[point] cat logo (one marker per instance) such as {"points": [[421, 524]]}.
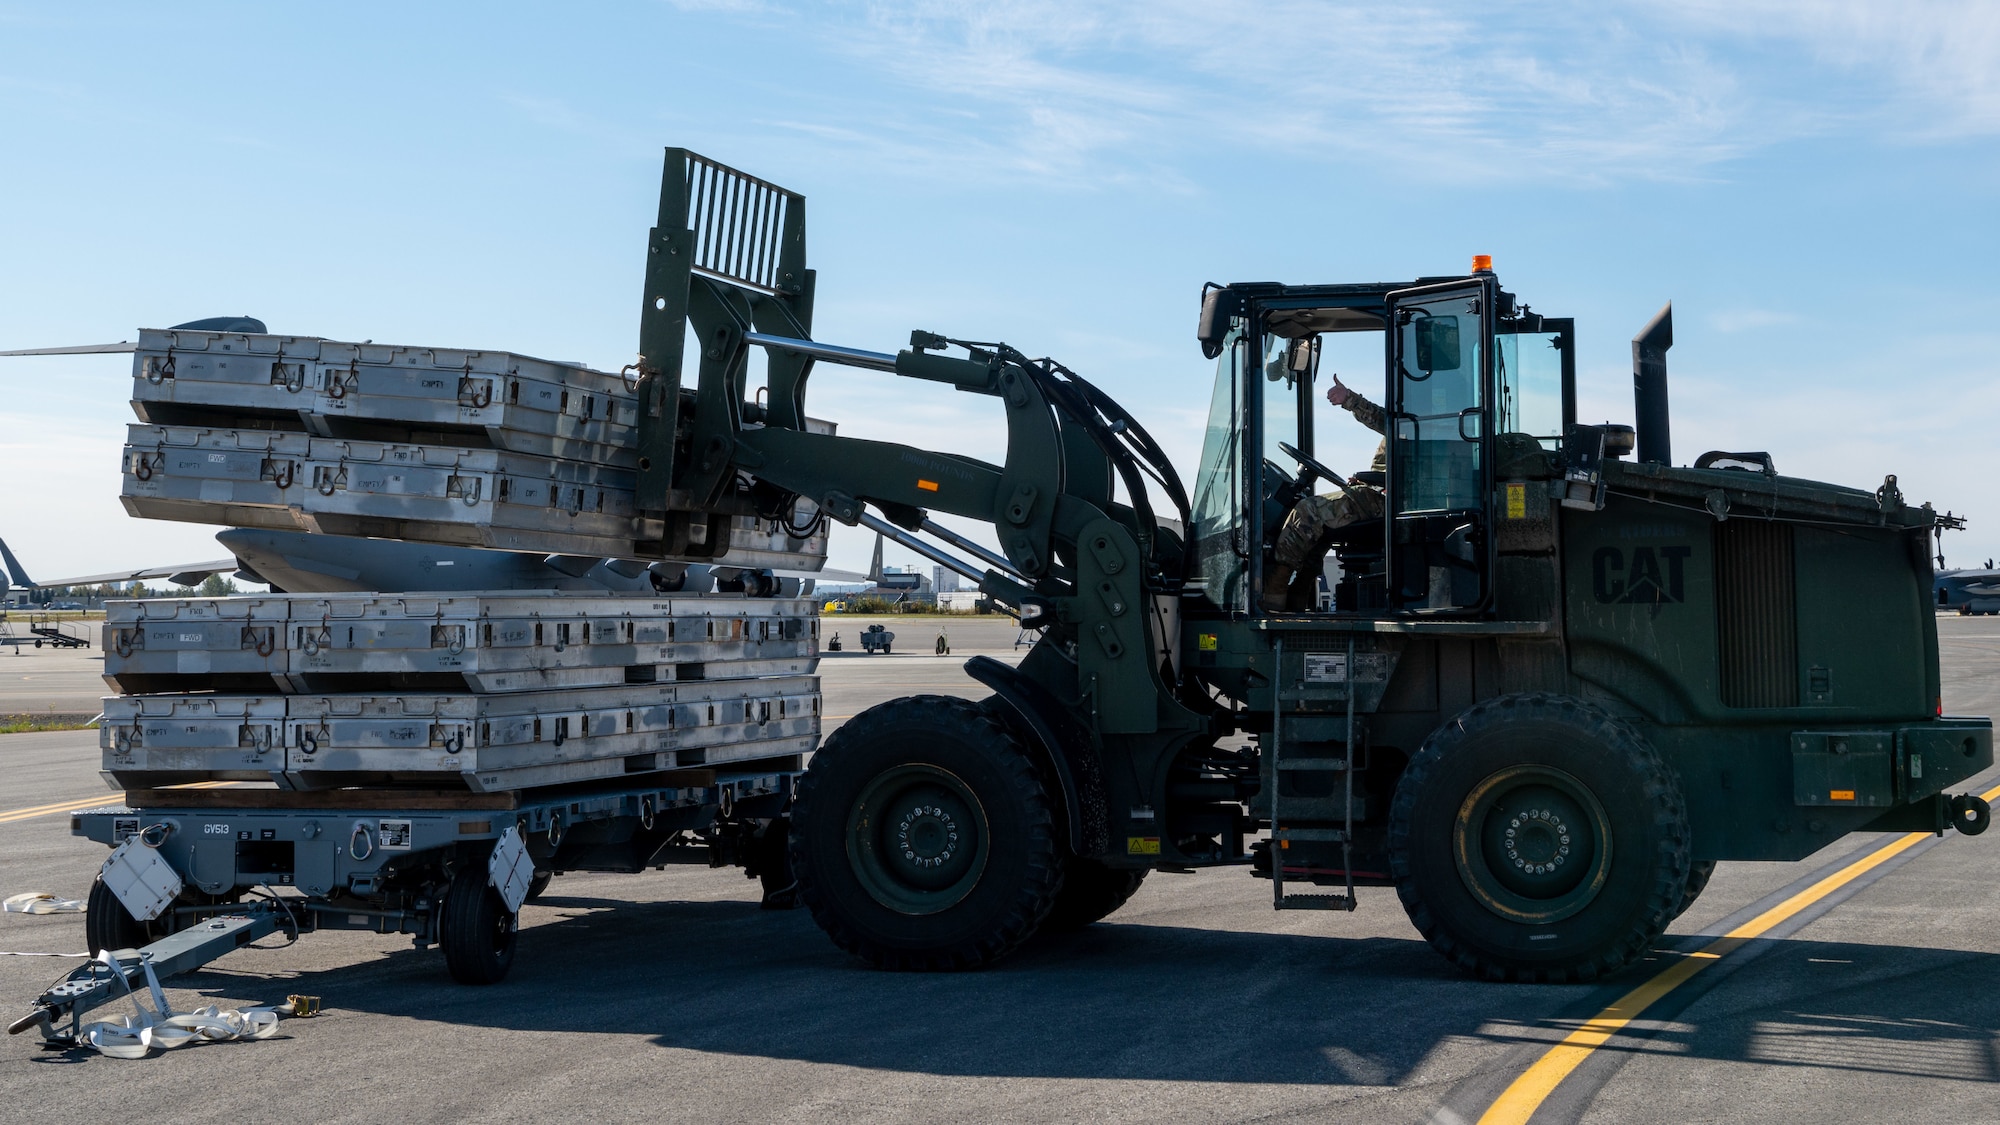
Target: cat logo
{"points": [[1652, 576]]}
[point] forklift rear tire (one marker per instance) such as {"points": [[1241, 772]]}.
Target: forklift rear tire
{"points": [[1090, 893], [1699, 873], [108, 925], [538, 884], [923, 837], [1537, 838], [476, 930]]}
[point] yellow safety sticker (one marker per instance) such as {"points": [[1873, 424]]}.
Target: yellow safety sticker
{"points": [[1205, 642], [1517, 501], [1142, 845], [1840, 795], [927, 485]]}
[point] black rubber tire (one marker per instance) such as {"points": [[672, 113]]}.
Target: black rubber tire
{"points": [[108, 925], [1090, 893], [539, 885], [476, 930], [1643, 878], [1699, 873], [1018, 868]]}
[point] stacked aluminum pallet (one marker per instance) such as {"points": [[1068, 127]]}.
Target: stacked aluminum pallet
{"points": [[486, 691], [470, 448]]}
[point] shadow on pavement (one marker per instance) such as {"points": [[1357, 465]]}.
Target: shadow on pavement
{"points": [[1116, 1001], [1126, 1001], [1866, 1009]]}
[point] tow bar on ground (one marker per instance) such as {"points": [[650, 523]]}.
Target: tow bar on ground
{"points": [[112, 974]]}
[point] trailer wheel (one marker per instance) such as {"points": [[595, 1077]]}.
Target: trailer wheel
{"points": [[1699, 873], [1090, 893], [1535, 837], [771, 865], [476, 930], [923, 837], [108, 925]]}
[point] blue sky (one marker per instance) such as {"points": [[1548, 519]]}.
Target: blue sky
{"points": [[1812, 184]]}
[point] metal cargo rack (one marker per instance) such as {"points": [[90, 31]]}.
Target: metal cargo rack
{"points": [[485, 743], [424, 493], [331, 388], [479, 642], [188, 738]]}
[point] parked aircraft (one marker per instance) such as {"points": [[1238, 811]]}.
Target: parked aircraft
{"points": [[890, 585], [302, 563], [16, 588], [1970, 591]]}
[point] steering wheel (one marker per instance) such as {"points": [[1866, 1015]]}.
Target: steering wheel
{"points": [[1313, 467]]}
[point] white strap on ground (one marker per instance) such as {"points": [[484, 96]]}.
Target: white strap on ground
{"points": [[160, 1028], [40, 902], [135, 1037]]}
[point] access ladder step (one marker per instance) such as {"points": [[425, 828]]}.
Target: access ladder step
{"points": [[1317, 902], [1303, 765], [1310, 835]]}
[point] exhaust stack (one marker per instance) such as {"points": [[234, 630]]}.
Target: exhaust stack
{"points": [[1649, 386]]}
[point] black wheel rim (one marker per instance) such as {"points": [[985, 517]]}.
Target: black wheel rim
{"points": [[917, 839], [502, 933], [1533, 844]]}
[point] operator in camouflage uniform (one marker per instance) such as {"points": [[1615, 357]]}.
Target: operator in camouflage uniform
{"points": [[1313, 519]]}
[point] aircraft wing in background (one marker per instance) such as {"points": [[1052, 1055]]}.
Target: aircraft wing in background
{"points": [[180, 574], [124, 346]]}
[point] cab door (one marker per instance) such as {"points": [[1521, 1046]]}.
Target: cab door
{"points": [[1440, 354]]}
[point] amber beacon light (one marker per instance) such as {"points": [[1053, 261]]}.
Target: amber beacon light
{"points": [[1482, 263]]}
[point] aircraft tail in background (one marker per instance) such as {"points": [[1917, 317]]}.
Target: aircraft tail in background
{"points": [[12, 572], [875, 564]]}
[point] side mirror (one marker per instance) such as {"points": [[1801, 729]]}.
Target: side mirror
{"points": [[1219, 306], [1300, 362], [1302, 356]]}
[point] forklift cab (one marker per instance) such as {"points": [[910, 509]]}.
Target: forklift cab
{"points": [[1468, 373]]}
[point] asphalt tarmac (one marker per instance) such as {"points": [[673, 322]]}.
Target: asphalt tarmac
{"points": [[671, 996]]}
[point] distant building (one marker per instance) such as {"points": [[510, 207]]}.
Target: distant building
{"points": [[944, 580]]}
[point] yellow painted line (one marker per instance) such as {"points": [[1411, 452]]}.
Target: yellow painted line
{"points": [[89, 802], [50, 810], [1525, 1094]]}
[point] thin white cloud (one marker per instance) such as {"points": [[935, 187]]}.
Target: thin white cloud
{"points": [[1936, 62], [1090, 92]]}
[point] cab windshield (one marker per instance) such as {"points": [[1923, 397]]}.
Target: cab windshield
{"points": [[1219, 546]]}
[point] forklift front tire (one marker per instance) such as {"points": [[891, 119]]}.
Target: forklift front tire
{"points": [[924, 838]]}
